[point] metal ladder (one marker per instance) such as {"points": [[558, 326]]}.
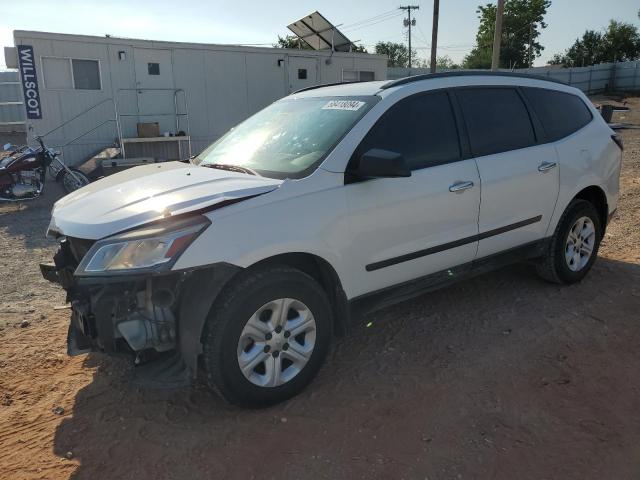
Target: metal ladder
{"points": [[118, 116], [176, 112], [115, 119]]}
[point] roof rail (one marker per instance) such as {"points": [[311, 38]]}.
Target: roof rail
{"points": [[466, 73], [313, 87]]}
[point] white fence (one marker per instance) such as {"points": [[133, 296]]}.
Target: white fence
{"points": [[621, 76]]}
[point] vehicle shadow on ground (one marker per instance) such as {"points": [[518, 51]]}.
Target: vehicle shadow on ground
{"points": [[501, 376], [28, 220]]}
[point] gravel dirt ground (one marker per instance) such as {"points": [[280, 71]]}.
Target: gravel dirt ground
{"points": [[502, 376]]}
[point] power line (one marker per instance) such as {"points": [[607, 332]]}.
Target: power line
{"points": [[443, 47], [424, 37], [396, 36], [370, 24], [375, 17]]}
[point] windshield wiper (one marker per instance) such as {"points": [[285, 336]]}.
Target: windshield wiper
{"points": [[231, 168]]}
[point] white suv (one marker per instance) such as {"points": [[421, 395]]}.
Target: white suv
{"points": [[330, 202]]}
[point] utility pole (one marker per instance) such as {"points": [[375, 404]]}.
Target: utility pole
{"points": [[409, 23], [434, 35], [497, 36]]}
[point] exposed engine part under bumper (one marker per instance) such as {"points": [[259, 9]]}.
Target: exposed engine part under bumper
{"points": [[140, 315]]}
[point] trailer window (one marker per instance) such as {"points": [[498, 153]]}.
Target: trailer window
{"points": [[358, 76], [57, 74], [71, 73], [289, 138], [366, 76], [86, 74]]}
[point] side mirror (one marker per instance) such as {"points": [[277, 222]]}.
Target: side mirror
{"points": [[377, 163], [7, 146]]}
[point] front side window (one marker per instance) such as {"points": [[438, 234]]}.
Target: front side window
{"points": [[497, 120], [422, 128], [561, 113], [289, 138]]}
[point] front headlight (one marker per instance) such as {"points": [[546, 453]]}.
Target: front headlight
{"points": [[153, 248]]}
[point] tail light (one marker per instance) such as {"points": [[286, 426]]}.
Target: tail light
{"points": [[618, 139]]}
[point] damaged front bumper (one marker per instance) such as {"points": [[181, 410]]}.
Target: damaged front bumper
{"points": [[140, 315]]}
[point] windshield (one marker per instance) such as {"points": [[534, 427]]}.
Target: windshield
{"points": [[289, 138]]}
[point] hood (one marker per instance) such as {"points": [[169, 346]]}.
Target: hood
{"points": [[143, 194]]}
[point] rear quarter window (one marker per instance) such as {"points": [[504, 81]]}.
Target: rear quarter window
{"points": [[560, 113]]}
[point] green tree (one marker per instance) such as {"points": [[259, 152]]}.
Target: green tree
{"points": [[291, 41], [587, 50], [522, 23], [618, 42], [398, 53], [621, 42], [443, 62], [417, 62]]}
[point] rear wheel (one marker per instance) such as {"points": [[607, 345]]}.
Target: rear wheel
{"points": [[267, 336], [71, 183], [574, 246]]}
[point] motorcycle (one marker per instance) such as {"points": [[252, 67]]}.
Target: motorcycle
{"points": [[23, 172]]}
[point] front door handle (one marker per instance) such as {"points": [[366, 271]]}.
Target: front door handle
{"points": [[544, 166], [460, 186]]}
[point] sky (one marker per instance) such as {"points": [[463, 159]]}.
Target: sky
{"points": [[260, 21]]}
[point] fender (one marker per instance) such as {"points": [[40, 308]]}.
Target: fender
{"points": [[200, 290]]}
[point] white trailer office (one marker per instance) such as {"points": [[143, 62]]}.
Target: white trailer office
{"points": [[97, 89]]}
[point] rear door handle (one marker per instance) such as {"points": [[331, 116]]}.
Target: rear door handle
{"points": [[544, 166], [460, 186]]}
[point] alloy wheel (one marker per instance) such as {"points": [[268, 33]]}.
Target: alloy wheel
{"points": [[580, 243]]}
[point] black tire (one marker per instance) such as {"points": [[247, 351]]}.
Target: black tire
{"points": [[71, 184], [553, 266], [228, 316]]}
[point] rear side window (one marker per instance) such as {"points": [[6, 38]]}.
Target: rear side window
{"points": [[497, 120], [561, 113], [422, 128]]}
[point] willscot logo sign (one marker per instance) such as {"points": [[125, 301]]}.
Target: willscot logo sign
{"points": [[29, 80]]}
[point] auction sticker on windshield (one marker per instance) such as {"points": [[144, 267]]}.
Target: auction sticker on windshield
{"points": [[343, 105]]}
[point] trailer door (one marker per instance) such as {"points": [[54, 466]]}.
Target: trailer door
{"points": [[303, 72], [154, 81]]}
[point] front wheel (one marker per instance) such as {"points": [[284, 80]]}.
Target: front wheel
{"points": [[266, 336], [72, 182]]}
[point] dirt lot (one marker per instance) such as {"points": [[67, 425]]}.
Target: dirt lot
{"points": [[503, 376]]}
